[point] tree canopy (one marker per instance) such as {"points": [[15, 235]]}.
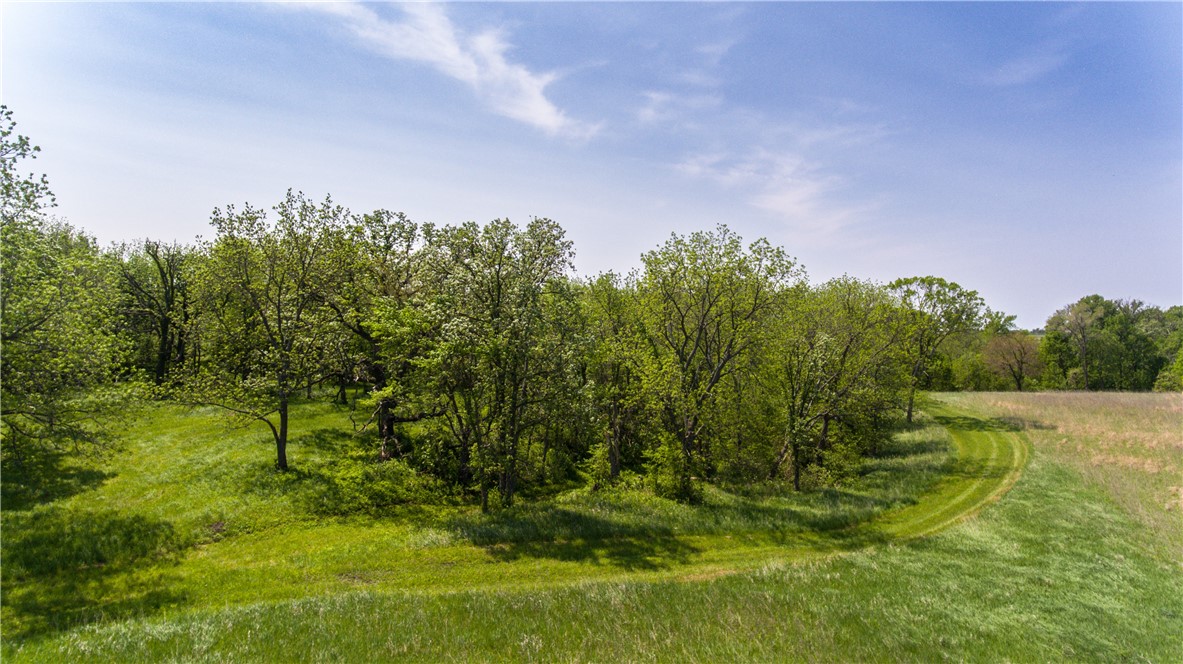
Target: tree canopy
{"points": [[472, 355]]}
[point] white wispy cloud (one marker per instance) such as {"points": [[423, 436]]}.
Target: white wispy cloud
{"points": [[664, 106], [1027, 69], [784, 184], [426, 35]]}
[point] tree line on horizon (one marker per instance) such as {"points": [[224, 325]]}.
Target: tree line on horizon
{"points": [[473, 355]]}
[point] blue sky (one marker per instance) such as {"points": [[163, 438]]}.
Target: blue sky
{"points": [[1033, 152]]}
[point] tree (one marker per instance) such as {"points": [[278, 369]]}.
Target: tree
{"points": [[1166, 328], [21, 197], [704, 303], [497, 359], [57, 331], [155, 278], [838, 356], [613, 362], [1076, 322], [1110, 344], [259, 318], [1014, 355], [937, 309]]}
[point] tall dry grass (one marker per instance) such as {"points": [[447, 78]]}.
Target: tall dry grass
{"points": [[1131, 444]]}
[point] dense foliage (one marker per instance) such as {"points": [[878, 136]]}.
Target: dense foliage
{"points": [[61, 351], [475, 358]]}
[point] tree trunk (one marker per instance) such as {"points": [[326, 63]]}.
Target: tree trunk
{"points": [[796, 468], [281, 440], [613, 456], [507, 486], [163, 352], [613, 440], [911, 402], [385, 429]]}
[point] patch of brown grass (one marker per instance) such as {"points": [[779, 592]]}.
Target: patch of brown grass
{"points": [[1131, 444]]}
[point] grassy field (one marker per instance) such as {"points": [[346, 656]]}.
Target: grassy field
{"points": [[187, 547], [1130, 445]]}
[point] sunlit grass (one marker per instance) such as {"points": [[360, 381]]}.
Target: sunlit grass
{"points": [[191, 513], [1053, 572], [188, 546], [1131, 444]]}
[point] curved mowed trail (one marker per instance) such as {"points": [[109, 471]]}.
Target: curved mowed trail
{"points": [[990, 458]]}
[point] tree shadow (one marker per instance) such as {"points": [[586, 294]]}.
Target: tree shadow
{"points": [[43, 478], [63, 569], [81, 598], [561, 533], [1021, 423], [333, 441], [897, 448], [44, 543], [1007, 424], [964, 423], [627, 553], [626, 535], [974, 469]]}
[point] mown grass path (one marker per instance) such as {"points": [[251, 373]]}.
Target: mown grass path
{"points": [[988, 458]]}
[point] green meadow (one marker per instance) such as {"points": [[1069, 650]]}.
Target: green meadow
{"points": [[975, 535]]}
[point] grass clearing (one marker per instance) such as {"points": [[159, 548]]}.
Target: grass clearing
{"points": [[189, 515], [1053, 570]]}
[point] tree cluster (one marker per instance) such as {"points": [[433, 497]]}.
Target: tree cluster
{"points": [[472, 354], [475, 355], [1101, 344], [1092, 344]]}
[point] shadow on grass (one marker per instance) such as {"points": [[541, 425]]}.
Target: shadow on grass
{"points": [[635, 536], [977, 469], [48, 542], [81, 598], [304, 476], [897, 448], [44, 478], [1003, 424], [963, 423], [333, 441], [628, 553], [63, 568]]}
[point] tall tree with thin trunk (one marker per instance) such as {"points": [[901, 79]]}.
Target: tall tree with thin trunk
{"points": [[260, 320], [371, 295], [612, 367], [153, 276], [1078, 322]]}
